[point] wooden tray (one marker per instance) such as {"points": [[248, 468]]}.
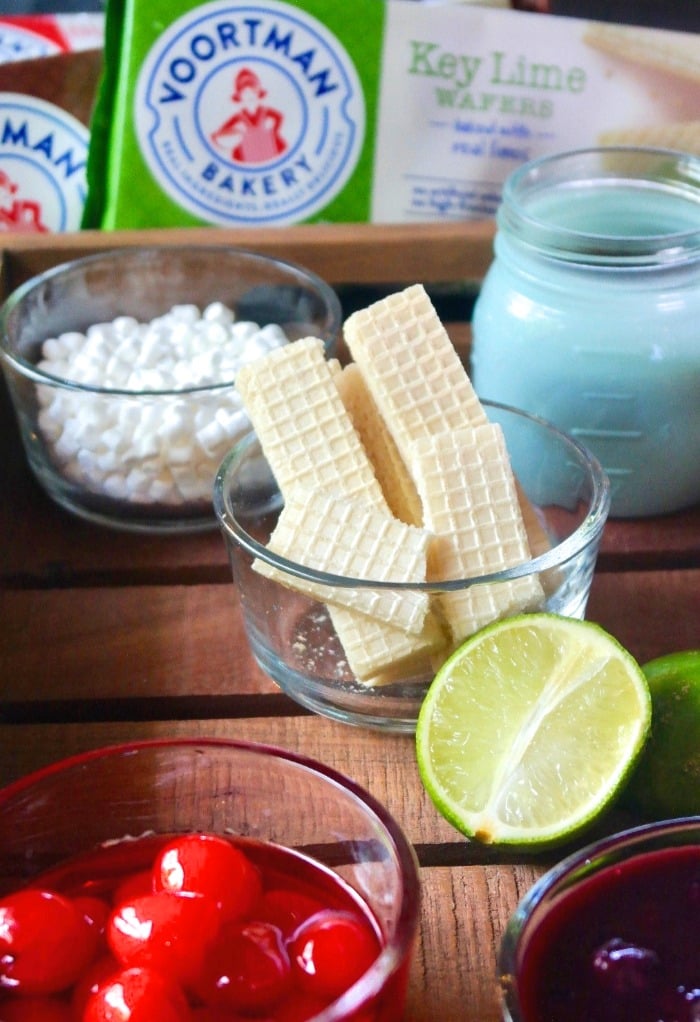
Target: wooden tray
{"points": [[358, 254]]}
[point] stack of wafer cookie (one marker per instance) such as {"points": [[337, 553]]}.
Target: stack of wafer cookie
{"points": [[390, 471], [673, 55]]}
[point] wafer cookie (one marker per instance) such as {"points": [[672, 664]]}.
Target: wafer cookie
{"points": [[411, 368], [443, 397], [538, 538], [349, 538], [307, 436], [394, 478], [470, 503], [384, 654], [676, 53], [309, 440]]}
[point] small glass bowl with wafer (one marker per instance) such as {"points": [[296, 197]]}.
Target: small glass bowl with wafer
{"points": [[292, 635], [353, 593]]}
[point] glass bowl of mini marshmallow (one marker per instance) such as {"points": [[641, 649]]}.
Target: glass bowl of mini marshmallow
{"points": [[121, 367]]}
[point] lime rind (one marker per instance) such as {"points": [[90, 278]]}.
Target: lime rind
{"points": [[531, 728], [666, 780], [681, 666]]}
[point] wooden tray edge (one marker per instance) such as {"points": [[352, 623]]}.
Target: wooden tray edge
{"points": [[341, 253]]}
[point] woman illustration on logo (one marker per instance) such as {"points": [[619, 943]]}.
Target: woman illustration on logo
{"points": [[22, 215], [252, 134]]}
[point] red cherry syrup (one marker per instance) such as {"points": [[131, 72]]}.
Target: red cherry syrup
{"points": [[296, 938]]}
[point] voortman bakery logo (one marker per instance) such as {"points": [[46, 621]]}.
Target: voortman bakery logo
{"points": [[249, 114], [43, 152]]}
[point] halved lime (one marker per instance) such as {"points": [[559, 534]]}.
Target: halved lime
{"points": [[666, 781], [529, 729]]}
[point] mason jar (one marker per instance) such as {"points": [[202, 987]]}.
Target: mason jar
{"points": [[589, 314]]}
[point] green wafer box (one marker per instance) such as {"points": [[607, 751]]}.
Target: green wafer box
{"points": [[254, 113], [236, 114]]}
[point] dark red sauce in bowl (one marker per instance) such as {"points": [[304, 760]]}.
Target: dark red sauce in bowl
{"points": [[612, 934]]}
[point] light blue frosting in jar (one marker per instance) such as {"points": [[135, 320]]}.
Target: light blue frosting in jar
{"points": [[590, 314]]}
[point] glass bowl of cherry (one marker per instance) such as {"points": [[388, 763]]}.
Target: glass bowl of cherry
{"points": [[201, 881], [610, 933]]}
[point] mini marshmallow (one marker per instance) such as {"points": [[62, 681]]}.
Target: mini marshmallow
{"points": [[216, 333], [124, 326], [115, 486], [253, 349], [87, 461], [185, 313], [274, 335], [162, 451], [127, 416], [54, 367], [211, 437], [188, 484], [85, 370], [153, 350], [70, 341], [108, 462], [48, 425], [244, 331], [144, 445], [137, 482], [162, 491], [217, 312], [112, 439], [73, 472], [175, 429], [233, 423], [66, 446], [101, 332], [52, 350]]}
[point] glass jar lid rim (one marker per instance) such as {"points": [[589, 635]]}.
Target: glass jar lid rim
{"points": [[607, 172]]}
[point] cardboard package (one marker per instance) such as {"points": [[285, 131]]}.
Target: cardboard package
{"points": [[49, 69], [255, 115]]}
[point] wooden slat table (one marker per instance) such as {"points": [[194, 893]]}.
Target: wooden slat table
{"points": [[107, 636]]}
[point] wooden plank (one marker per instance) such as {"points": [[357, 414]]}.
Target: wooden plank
{"points": [[650, 613], [126, 643], [464, 909], [382, 763], [45, 545], [341, 253], [670, 541], [464, 915], [136, 637], [42, 544], [171, 640]]}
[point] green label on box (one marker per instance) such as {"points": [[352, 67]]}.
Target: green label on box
{"points": [[235, 114], [390, 111]]}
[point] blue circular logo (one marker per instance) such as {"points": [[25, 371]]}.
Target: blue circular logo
{"points": [[249, 114], [43, 155]]}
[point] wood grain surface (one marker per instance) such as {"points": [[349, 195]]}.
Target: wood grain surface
{"points": [[107, 637]]}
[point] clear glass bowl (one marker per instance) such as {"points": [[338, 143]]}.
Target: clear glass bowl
{"points": [[144, 459], [226, 787], [593, 907], [292, 636]]}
